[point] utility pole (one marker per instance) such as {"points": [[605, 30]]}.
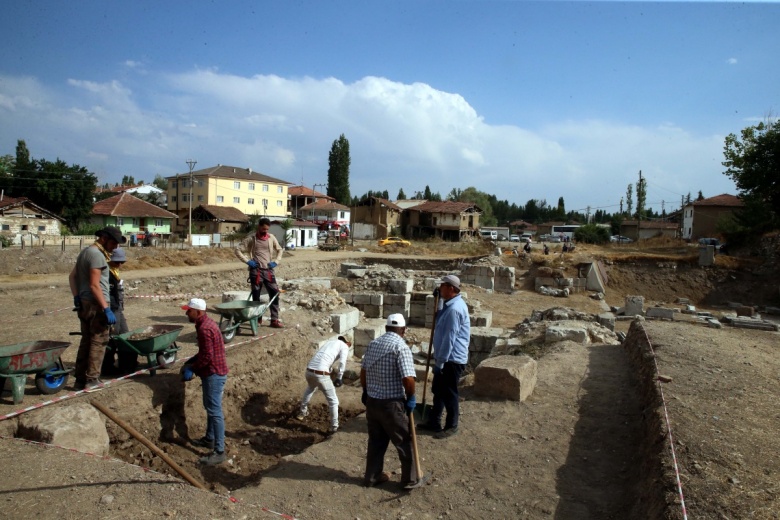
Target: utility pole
{"points": [[587, 216], [621, 205], [191, 163], [638, 209]]}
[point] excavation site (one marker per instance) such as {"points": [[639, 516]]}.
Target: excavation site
{"points": [[620, 381]]}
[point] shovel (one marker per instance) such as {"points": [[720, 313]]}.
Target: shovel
{"points": [[421, 479], [422, 410]]}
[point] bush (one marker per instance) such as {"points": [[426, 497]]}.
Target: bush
{"points": [[592, 234], [88, 229], [5, 241]]}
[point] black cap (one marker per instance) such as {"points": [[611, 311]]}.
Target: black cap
{"points": [[113, 233]]}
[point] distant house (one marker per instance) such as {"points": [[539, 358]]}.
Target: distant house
{"points": [[20, 217], [644, 229], [207, 219], [251, 192], [521, 226], [448, 220], [300, 196], [701, 217], [409, 203], [132, 215], [326, 213], [376, 218], [301, 234]]}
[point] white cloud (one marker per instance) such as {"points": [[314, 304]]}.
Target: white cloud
{"points": [[731, 61], [401, 136]]}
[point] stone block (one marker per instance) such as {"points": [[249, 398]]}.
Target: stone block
{"points": [[400, 286], [77, 426], [483, 339], [706, 255], [371, 311], [556, 333], [746, 310], [481, 319], [660, 312], [506, 377], [396, 303], [345, 321], [606, 319], [361, 298], [366, 332], [346, 267], [356, 273], [634, 306]]}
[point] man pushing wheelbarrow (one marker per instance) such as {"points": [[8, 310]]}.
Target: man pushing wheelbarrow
{"points": [[262, 253]]}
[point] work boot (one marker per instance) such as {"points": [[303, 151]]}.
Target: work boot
{"points": [[302, 413], [213, 458], [203, 442], [377, 480], [446, 433], [333, 429], [276, 324]]}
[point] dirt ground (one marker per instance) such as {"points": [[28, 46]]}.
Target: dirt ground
{"points": [[585, 444]]}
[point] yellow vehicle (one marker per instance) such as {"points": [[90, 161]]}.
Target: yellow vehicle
{"points": [[394, 241]]}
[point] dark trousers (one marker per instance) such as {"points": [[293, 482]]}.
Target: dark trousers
{"points": [[260, 278], [94, 338], [445, 395], [387, 421]]}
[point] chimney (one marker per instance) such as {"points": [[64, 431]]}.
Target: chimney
{"points": [[250, 170]]}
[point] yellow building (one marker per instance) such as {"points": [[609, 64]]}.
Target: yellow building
{"points": [[251, 192]]}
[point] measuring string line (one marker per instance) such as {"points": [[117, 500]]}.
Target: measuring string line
{"points": [[668, 427]]}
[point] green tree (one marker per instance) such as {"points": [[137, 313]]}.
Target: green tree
{"points": [[641, 196], [700, 196], [7, 163], [482, 200], [455, 194], [630, 199], [338, 171], [592, 234], [64, 190], [401, 195], [752, 161], [160, 182], [560, 211], [128, 180]]}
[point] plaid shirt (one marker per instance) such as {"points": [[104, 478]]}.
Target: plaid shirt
{"points": [[210, 358], [386, 362]]}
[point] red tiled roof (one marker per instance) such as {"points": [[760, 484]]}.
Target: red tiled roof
{"points": [[325, 205], [232, 172], [724, 199], [447, 206], [372, 201], [226, 213], [303, 191], [127, 205], [7, 201]]}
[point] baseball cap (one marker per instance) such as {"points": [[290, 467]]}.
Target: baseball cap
{"points": [[118, 255], [198, 304], [452, 280], [396, 320], [114, 233]]}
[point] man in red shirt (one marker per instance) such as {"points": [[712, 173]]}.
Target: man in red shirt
{"points": [[210, 364]]}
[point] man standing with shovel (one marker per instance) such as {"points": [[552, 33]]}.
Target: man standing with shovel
{"points": [[387, 377], [451, 353]]}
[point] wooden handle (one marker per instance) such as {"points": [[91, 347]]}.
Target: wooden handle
{"points": [[416, 454], [430, 346]]}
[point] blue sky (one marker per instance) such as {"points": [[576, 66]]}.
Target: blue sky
{"points": [[524, 100]]}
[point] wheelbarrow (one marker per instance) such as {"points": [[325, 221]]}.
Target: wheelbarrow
{"points": [[156, 342], [234, 314], [41, 358]]}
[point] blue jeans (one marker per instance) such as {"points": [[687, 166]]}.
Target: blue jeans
{"points": [[213, 387]]}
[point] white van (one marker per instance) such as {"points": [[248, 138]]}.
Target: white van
{"points": [[488, 234]]}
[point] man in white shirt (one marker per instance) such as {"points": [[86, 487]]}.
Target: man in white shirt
{"points": [[318, 376]]}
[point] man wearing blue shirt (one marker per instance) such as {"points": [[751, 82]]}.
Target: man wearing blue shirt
{"points": [[450, 353]]}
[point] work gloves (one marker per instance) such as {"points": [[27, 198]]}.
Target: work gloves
{"points": [[410, 405], [77, 303], [253, 264], [186, 373], [272, 265], [364, 397], [337, 383], [110, 318]]}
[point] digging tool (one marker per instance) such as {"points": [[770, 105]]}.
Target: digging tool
{"points": [[421, 479], [146, 442], [421, 409]]}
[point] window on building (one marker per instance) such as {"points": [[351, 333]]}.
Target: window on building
{"points": [[41, 228], [279, 189], [6, 227], [265, 203], [120, 221], [185, 198], [265, 187], [200, 183], [173, 198], [250, 201], [251, 186], [174, 184], [200, 198], [236, 200], [158, 222], [341, 215], [236, 185], [278, 203], [24, 227], [135, 222], [220, 198], [184, 183]]}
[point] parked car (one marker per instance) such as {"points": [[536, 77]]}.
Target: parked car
{"points": [[514, 238], [322, 234], [525, 239], [554, 239], [501, 237], [709, 242], [620, 239], [394, 241]]}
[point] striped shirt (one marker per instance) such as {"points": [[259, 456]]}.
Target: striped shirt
{"points": [[387, 361]]}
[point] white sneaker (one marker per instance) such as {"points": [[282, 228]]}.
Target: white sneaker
{"points": [[333, 429], [302, 414]]}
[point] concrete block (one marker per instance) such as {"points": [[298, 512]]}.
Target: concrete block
{"points": [[660, 312], [346, 267], [706, 255], [481, 319], [361, 298], [344, 321], [377, 299], [746, 310], [400, 286], [371, 311], [366, 332], [506, 377], [634, 306], [606, 319]]}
